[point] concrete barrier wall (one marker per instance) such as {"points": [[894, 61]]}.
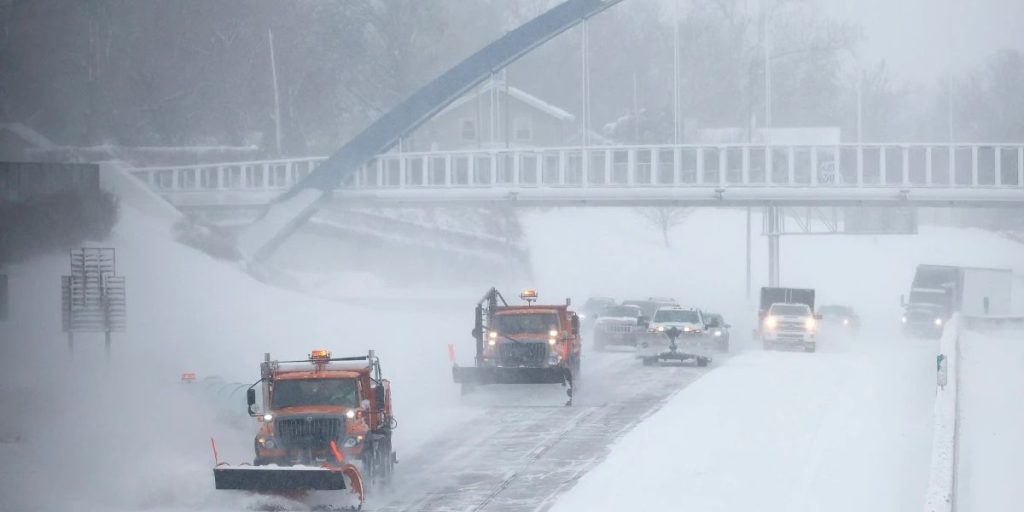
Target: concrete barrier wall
{"points": [[20, 181], [941, 495]]}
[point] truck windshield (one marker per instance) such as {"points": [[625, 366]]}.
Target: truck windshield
{"points": [[936, 297], [677, 315], [620, 311], [528, 323], [790, 310], [301, 393]]}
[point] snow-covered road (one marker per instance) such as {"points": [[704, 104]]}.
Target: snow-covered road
{"points": [[527, 449]]}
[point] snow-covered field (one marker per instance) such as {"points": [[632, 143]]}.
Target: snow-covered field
{"points": [[991, 457], [801, 430]]}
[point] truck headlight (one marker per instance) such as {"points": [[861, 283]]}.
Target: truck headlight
{"points": [[903, 319], [352, 441], [268, 417], [350, 414], [771, 322], [938, 322], [809, 324], [268, 443], [846, 321], [661, 328]]}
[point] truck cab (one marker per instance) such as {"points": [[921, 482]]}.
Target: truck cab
{"points": [[320, 410], [522, 344]]}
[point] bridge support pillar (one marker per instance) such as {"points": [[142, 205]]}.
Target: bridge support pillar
{"points": [[773, 228]]}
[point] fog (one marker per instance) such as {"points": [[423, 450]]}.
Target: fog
{"points": [[172, 84]]}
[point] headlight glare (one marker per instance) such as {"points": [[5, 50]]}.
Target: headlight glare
{"points": [[350, 442], [268, 417], [938, 322]]}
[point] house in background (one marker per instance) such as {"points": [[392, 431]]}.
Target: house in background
{"points": [[495, 115]]}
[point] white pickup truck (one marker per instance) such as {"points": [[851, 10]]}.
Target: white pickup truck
{"points": [[791, 325]]}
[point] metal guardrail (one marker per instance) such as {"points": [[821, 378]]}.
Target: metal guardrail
{"points": [[896, 166]]}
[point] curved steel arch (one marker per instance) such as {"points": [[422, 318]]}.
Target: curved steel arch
{"points": [[295, 206]]}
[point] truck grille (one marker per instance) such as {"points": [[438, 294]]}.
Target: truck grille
{"points": [[617, 328], [522, 354], [791, 326], [308, 431]]}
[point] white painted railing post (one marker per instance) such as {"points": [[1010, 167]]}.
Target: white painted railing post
{"points": [[677, 166], [584, 167], [952, 165], [608, 160], [906, 165], [723, 157], [814, 165], [1020, 167], [448, 170], [998, 157], [402, 171], [631, 167], [745, 166], [883, 175], [700, 166], [655, 167], [860, 165], [928, 166], [974, 165]]}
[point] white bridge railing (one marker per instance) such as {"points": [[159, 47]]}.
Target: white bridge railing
{"points": [[959, 166]]}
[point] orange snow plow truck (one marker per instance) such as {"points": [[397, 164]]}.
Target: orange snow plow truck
{"points": [[523, 344], [325, 424]]}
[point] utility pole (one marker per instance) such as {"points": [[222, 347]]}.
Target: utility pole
{"points": [[677, 126], [636, 110], [860, 109], [585, 93], [748, 253], [277, 100]]}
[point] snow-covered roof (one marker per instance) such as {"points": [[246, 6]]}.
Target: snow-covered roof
{"points": [[514, 92], [28, 135]]}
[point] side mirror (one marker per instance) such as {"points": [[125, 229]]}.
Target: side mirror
{"points": [[380, 395], [250, 399], [575, 320]]}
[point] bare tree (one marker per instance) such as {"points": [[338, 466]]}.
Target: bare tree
{"points": [[664, 218]]}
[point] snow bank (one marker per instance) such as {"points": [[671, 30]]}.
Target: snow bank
{"points": [[846, 430], [991, 446], [942, 475]]}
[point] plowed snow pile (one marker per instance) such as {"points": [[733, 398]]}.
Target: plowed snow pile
{"points": [[991, 421]]}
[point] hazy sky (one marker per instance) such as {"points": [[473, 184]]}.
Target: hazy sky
{"points": [[914, 36]]}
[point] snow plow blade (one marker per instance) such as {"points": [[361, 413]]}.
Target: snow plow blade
{"points": [[263, 478], [498, 375]]}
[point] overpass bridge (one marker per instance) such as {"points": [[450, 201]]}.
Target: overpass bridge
{"points": [[732, 175], [885, 174]]}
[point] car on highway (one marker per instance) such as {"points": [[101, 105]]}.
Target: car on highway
{"points": [[840, 318], [718, 330], [592, 308], [618, 325], [650, 305]]}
